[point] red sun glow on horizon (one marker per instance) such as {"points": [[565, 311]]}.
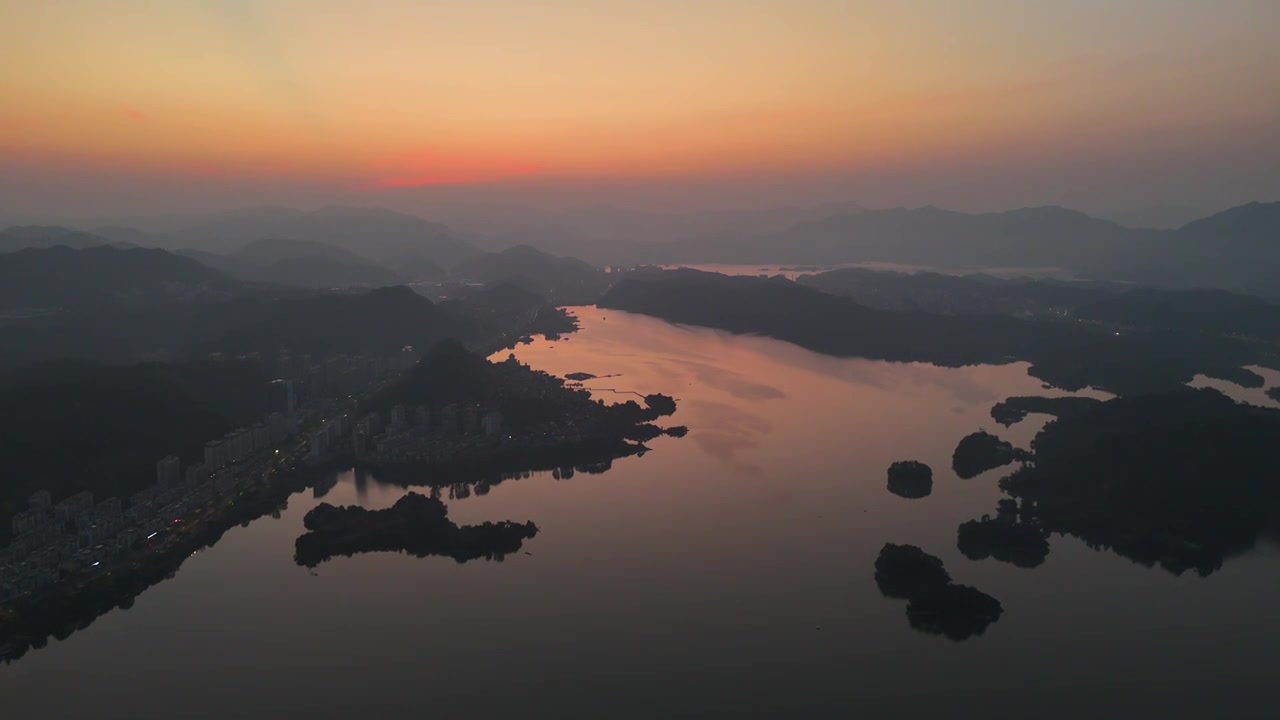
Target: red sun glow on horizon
{"points": [[433, 168]]}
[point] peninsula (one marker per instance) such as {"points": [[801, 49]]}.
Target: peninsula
{"points": [[1179, 480], [459, 417], [981, 451], [1015, 409], [1065, 353]]}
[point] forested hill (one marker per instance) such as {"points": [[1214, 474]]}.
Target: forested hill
{"points": [[1068, 354]]}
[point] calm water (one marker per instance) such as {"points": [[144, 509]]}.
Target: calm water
{"points": [[794, 271], [728, 573]]}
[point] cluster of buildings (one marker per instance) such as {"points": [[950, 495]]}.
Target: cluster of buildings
{"points": [[78, 537], [427, 434], [238, 445], [342, 375], [453, 432], [52, 540], [376, 437]]}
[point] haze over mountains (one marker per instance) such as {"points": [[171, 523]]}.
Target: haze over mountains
{"points": [[375, 234], [47, 236], [63, 277], [307, 263], [1236, 249]]}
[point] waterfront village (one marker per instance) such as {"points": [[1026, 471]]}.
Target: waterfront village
{"points": [[78, 539], [72, 541]]}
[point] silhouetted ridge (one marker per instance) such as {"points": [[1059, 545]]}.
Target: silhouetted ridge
{"points": [[49, 236], [62, 276], [1069, 355], [1235, 249], [562, 280], [1255, 223]]}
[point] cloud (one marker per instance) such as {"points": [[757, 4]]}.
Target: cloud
{"points": [[134, 114]]}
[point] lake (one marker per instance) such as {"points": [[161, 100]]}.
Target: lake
{"points": [[728, 573], [791, 272]]}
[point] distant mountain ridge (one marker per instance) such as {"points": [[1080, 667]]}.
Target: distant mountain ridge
{"points": [[562, 280], [1070, 355], [1254, 223], [1029, 237], [300, 263], [48, 236], [1238, 248], [59, 276], [371, 233]]}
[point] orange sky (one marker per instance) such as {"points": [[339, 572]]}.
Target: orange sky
{"points": [[397, 93]]}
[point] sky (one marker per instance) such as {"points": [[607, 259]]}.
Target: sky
{"points": [[1113, 106]]}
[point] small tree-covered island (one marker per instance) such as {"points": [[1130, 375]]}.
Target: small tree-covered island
{"points": [[910, 479], [416, 524], [935, 604]]}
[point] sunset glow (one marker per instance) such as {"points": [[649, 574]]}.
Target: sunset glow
{"points": [[496, 89]]}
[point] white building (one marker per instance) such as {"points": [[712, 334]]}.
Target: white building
{"points": [[168, 472]]}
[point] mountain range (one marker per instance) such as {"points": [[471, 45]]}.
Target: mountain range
{"points": [[1238, 248], [375, 234], [305, 263], [48, 236], [562, 280], [61, 276]]}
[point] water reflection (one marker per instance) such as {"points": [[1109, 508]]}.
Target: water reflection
{"points": [[732, 382], [1253, 396], [678, 580], [726, 431]]}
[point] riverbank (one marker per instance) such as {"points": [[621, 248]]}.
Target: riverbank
{"points": [[31, 621]]}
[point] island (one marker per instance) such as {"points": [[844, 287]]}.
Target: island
{"points": [[910, 479], [981, 451], [956, 611], [935, 604], [1181, 480], [1274, 393], [415, 524], [902, 570], [1015, 409]]}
